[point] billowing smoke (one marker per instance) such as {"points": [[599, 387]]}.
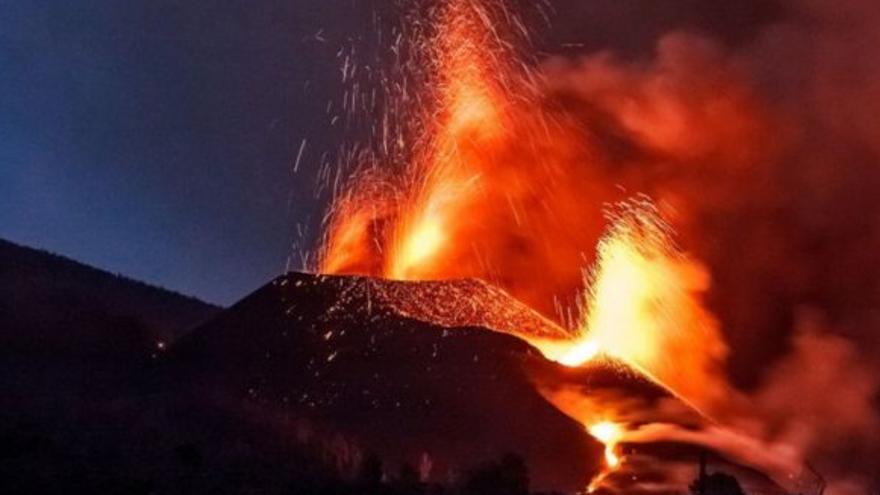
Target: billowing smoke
{"points": [[767, 158], [820, 400]]}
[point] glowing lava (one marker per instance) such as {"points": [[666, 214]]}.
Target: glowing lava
{"points": [[448, 173], [644, 306], [422, 244], [490, 184], [575, 354], [609, 433]]}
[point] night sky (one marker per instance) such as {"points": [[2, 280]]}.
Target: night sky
{"points": [[157, 139]]}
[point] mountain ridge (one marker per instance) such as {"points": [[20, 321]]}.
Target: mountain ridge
{"points": [[36, 285]]}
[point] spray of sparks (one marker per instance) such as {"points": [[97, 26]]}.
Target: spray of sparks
{"points": [[482, 186]]}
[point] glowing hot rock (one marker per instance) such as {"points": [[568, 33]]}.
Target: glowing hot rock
{"points": [[579, 353]]}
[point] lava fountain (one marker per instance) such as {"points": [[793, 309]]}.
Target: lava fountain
{"points": [[493, 186], [643, 305]]}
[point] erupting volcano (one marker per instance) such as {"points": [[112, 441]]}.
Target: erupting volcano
{"points": [[492, 190], [427, 372], [490, 182], [564, 246]]}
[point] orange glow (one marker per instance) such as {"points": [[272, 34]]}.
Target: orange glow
{"points": [[347, 238], [492, 187], [644, 305], [501, 185], [609, 433], [423, 243], [503, 188], [577, 353], [469, 106]]}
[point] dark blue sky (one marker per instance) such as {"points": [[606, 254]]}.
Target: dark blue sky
{"points": [[156, 139]]}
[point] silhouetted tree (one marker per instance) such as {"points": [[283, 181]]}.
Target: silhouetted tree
{"points": [[716, 484], [189, 455], [508, 477], [408, 482], [370, 474], [515, 474]]}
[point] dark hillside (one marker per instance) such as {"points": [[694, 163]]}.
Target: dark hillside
{"points": [[48, 302], [345, 353], [72, 339], [311, 385]]}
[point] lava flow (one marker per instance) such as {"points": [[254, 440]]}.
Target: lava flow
{"points": [[609, 434]]}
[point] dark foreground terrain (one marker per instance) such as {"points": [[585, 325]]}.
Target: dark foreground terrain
{"points": [[302, 387], [312, 384]]}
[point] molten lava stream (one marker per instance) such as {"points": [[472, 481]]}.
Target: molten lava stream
{"points": [[609, 434]]}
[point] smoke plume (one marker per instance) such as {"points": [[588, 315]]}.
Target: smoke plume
{"points": [[766, 156]]}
